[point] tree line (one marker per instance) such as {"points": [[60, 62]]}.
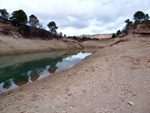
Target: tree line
{"points": [[139, 17], [19, 18]]}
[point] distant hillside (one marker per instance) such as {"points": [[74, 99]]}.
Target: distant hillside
{"points": [[99, 36]]}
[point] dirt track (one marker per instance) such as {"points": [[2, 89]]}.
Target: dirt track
{"points": [[114, 79]]}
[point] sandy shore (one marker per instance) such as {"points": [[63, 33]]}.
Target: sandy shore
{"points": [[114, 79], [11, 45]]}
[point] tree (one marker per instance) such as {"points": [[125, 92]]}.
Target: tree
{"points": [[52, 26], [146, 17], [33, 20], [113, 36], [139, 17], [61, 34], [4, 14], [128, 22], [19, 18], [118, 33]]}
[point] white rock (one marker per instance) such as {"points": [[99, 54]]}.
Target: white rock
{"points": [[131, 103]]}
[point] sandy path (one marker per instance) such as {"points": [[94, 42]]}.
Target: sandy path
{"points": [[115, 79]]}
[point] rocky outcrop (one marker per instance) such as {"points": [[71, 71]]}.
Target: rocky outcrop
{"points": [[142, 31], [139, 29]]}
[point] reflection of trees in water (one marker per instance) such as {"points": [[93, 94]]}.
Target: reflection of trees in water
{"points": [[52, 69], [21, 80], [7, 84], [35, 77], [19, 72]]}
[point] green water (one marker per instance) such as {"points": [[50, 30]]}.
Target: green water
{"points": [[18, 70]]}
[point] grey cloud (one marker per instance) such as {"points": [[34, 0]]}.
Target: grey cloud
{"points": [[94, 16]]}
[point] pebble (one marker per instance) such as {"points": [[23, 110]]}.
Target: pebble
{"points": [[36, 106], [94, 95], [70, 94], [104, 110], [72, 106], [66, 98], [131, 103]]}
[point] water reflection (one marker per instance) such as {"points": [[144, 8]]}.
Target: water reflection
{"points": [[7, 84], [22, 69], [52, 69]]}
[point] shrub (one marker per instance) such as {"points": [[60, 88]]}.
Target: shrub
{"points": [[113, 35]]}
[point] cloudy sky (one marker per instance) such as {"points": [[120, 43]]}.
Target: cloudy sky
{"points": [[75, 17]]}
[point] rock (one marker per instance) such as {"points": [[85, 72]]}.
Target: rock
{"points": [[72, 106], [104, 110], [70, 94], [131, 103]]}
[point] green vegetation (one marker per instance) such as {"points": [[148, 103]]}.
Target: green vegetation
{"points": [[113, 35], [61, 34], [52, 27], [79, 39], [65, 35], [29, 28], [4, 14], [19, 18], [128, 22], [33, 20], [118, 33], [138, 18]]}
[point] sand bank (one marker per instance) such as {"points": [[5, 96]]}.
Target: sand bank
{"points": [[11, 45]]}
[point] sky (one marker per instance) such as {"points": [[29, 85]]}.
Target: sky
{"points": [[77, 17]]}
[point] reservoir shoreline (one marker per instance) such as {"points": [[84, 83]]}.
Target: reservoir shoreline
{"points": [[10, 45]]}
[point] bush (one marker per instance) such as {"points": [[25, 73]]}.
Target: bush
{"points": [[113, 35]]}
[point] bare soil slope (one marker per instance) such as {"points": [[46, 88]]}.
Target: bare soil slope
{"points": [[12, 45], [114, 79]]}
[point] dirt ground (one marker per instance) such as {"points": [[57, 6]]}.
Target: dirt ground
{"points": [[12, 45], [115, 79]]}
